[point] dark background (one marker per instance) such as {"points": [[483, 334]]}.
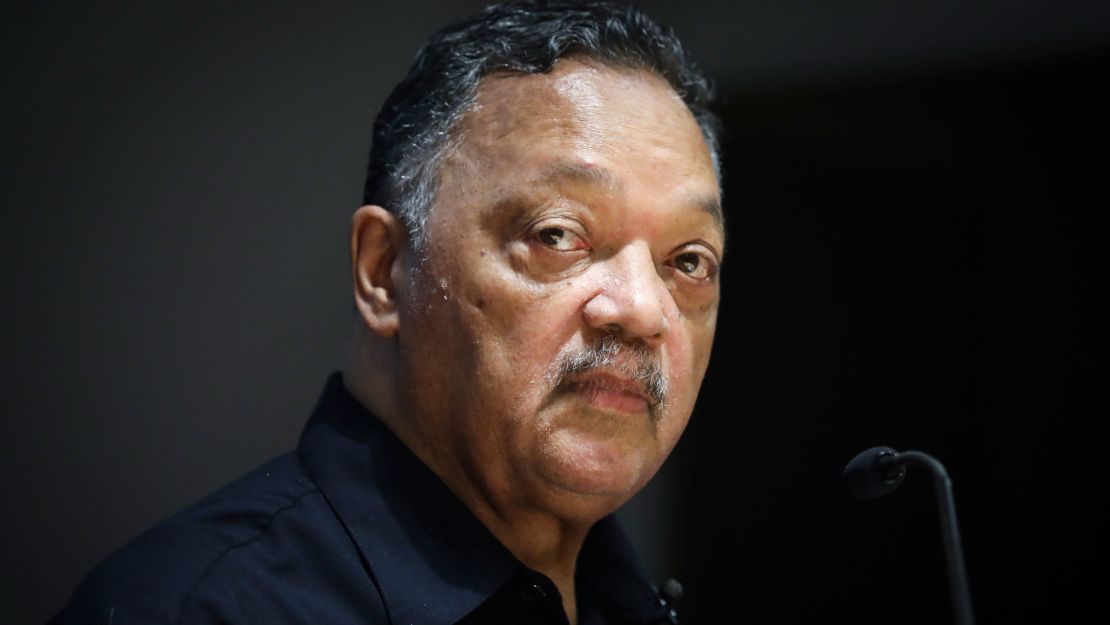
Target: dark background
{"points": [[917, 258]]}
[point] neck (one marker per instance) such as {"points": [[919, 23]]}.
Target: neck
{"points": [[543, 543], [364, 376]]}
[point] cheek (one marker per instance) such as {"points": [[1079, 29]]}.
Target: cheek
{"points": [[683, 381], [703, 334], [518, 329], [688, 353]]}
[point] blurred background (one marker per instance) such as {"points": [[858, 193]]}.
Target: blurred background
{"points": [[916, 198]]}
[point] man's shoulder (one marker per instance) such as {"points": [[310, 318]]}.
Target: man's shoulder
{"points": [[274, 515]]}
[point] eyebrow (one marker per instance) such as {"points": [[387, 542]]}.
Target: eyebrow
{"points": [[711, 205], [597, 176]]}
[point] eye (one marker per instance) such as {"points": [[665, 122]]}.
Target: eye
{"points": [[694, 265], [560, 239]]}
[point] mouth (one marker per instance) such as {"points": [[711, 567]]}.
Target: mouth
{"points": [[608, 391]]}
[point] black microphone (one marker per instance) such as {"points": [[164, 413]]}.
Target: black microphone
{"points": [[880, 471]]}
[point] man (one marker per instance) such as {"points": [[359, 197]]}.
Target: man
{"points": [[536, 283]]}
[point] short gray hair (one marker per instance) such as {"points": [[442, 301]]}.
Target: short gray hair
{"points": [[414, 129]]}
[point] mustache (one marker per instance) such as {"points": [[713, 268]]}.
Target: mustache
{"points": [[635, 361]]}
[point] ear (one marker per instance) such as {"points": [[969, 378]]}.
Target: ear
{"points": [[377, 238]]}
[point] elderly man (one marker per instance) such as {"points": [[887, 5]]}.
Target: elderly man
{"points": [[536, 283]]}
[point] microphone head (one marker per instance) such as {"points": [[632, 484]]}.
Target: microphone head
{"points": [[874, 473]]}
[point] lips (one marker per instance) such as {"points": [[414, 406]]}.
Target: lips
{"points": [[609, 391]]}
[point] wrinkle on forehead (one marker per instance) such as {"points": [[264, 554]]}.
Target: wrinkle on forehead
{"points": [[594, 175], [581, 173], [587, 114]]}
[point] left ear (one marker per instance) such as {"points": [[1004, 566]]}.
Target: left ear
{"points": [[377, 238]]}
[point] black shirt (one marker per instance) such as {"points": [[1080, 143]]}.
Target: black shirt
{"points": [[351, 528]]}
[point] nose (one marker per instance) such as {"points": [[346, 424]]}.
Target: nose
{"points": [[632, 299]]}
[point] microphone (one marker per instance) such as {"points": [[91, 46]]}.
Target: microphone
{"points": [[880, 471]]}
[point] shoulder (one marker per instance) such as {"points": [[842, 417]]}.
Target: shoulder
{"points": [[274, 516]]}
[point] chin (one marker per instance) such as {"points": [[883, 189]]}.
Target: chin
{"points": [[586, 466]]}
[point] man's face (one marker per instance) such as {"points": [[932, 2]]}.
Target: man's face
{"points": [[570, 275]]}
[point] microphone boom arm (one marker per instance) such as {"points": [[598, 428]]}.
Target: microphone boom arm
{"points": [[880, 471], [950, 531]]}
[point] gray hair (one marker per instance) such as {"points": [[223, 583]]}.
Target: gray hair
{"points": [[414, 129]]}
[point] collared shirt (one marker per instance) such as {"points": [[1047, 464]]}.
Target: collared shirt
{"points": [[351, 528]]}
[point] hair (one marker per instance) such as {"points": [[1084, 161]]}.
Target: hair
{"points": [[414, 128]]}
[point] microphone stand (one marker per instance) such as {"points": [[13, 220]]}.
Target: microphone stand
{"points": [[880, 471], [957, 573]]}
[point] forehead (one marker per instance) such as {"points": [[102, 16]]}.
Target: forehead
{"points": [[617, 127]]}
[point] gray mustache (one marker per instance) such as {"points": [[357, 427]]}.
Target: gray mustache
{"points": [[633, 360]]}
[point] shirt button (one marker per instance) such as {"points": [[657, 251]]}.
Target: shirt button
{"points": [[533, 592]]}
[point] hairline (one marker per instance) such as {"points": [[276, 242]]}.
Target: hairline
{"points": [[455, 132]]}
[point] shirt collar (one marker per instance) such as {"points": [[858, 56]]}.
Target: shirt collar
{"points": [[609, 569], [431, 559]]}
